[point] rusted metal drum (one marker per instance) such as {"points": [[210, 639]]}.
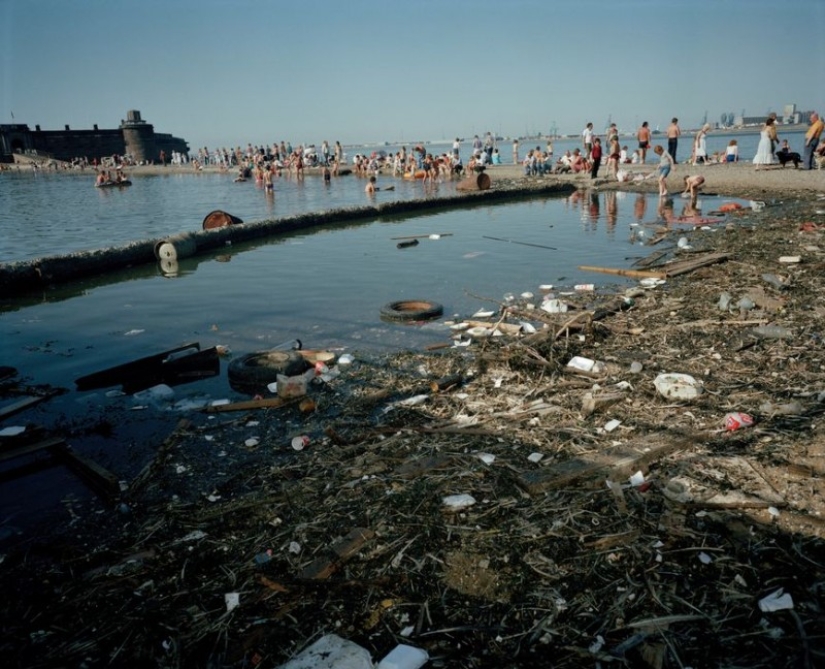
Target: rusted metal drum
{"points": [[219, 219], [480, 181]]}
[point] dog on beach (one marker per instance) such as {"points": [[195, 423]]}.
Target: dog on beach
{"points": [[784, 157]]}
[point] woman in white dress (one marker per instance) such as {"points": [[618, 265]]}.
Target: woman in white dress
{"points": [[700, 150], [763, 151]]}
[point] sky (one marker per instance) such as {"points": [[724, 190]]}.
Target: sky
{"points": [[232, 72]]}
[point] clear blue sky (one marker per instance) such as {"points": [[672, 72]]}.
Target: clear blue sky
{"points": [[228, 72]]}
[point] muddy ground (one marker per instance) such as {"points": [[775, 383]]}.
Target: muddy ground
{"points": [[597, 523]]}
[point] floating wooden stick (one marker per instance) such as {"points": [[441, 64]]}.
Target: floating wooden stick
{"points": [[512, 241], [634, 273]]}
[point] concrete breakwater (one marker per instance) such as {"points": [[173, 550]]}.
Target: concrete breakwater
{"points": [[18, 278]]}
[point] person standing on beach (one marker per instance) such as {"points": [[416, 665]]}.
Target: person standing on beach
{"points": [[673, 134], [457, 148], [587, 140], [614, 153], [764, 155], [595, 158], [666, 162], [700, 150], [489, 145], [812, 140], [773, 133], [515, 151], [643, 135]]}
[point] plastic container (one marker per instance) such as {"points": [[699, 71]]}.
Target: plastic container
{"points": [[772, 332], [290, 387], [581, 287], [404, 657], [725, 300], [586, 364], [678, 386], [554, 306]]}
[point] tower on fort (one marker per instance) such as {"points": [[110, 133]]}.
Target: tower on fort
{"points": [[139, 137]]}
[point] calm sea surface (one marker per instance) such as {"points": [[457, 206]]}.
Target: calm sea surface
{"points": [[324, 286]]}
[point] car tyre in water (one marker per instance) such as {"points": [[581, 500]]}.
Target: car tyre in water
{"points": [[254, 371], [411, 310]]}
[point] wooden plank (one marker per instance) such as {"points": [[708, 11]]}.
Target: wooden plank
{"points": [[98, 478], [685, 266], [20, 405], [632, 273], [264, 403], [323, 567], [352, 543], [28, 449], [609, 463]]}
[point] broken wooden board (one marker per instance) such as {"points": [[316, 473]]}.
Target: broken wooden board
{"points": [[22, 404], [764, 301], [98, 478], [415, 468], [685, 266], [28, 449], [723, 482], [264, 403], [610, 463], [323, 567]]}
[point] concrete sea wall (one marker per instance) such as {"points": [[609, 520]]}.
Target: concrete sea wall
{"points": [[21, 277]]}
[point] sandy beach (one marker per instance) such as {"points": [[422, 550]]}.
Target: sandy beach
{"points": [[736, 180]]}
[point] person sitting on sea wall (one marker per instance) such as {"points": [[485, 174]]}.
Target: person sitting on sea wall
{"points": [[577, 162], [547, 163], [529, 163], [563, 164]]}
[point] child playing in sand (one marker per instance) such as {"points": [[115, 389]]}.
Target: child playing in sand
{"points": [[692, 185]]}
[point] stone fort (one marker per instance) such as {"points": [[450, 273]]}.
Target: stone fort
{"points": [[134, 136]]}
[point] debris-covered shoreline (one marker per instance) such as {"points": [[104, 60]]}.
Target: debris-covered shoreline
{"points": [[489, 503]]}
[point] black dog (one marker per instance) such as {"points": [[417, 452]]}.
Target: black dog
{"points": [[784, 156]]}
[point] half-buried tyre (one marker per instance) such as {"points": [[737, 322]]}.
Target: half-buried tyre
{"points": [[253, 372], [411, 310]]}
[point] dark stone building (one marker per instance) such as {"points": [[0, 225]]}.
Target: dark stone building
{"points": [[134, 137]]}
